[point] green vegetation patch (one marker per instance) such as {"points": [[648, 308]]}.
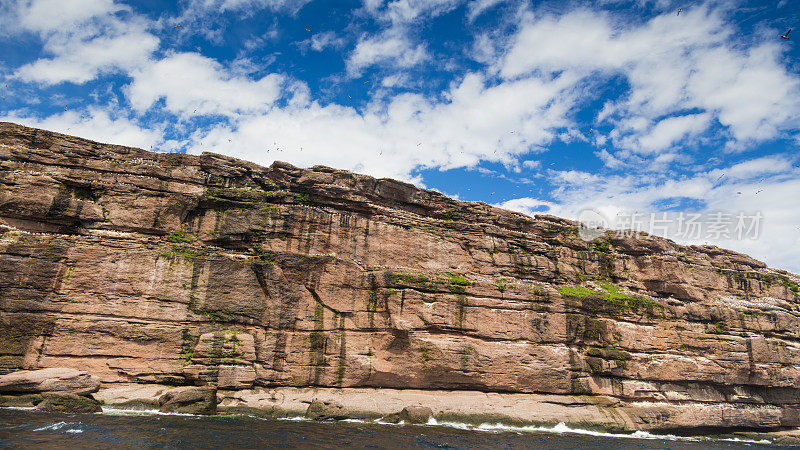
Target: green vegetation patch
{"points": [[601, 246], [87, 193], [440, 282], [179, 237], [426, 351], [180, 252], [612, 300], [502, 286], [457, 284], [263, 255], [418, 281], [455, 214]]}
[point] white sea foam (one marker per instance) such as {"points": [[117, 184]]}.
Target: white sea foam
{"points": [[19, 408], [747, 441], [560, 428], [142, 412], [53, 427], [74, 431], [563, 428], [354, 421], [293, 419]]}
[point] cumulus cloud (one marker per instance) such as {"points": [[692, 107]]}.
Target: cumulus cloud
{"points": [[190, 83], [79, 63], [669, 131], [52, 15], [392, 47], [327, 39], [84, 39], [674, 64], [397, 44], [478, 122]]}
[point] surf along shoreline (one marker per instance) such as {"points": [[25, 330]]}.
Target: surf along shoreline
{"points": [[485, 411]]}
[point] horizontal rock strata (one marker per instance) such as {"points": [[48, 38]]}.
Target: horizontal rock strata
{"points": [[168, 269]]}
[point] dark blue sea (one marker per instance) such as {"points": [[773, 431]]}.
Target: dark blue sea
{"points": [[22, 428]]}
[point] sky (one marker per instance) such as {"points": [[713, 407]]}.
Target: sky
{"points": [[637, 113]]}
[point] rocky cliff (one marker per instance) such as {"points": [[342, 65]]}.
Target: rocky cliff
{"points": [[168, 269]]}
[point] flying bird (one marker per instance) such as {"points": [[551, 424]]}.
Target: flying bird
{"points": [[177, 26], [786, 35], [679, 11], [760, 190], [308, 30]]}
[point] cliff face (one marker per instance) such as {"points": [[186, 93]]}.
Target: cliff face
{"points": [[144, 267]]}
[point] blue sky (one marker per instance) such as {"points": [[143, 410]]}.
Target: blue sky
{"points": [[559, 107]]}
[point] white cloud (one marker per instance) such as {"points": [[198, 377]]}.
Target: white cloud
{"points": [[193, 84], [609, 160], [671, 130], [389, 47], [203, 7], [396, 45], [85, 39], [407, 11], [477, 7], [396, 80], [768, 165], [95, 124], [531, 164], [212, 18], [327, 39], [407, 132], [673, 64], [79, 62], [45, 16]]}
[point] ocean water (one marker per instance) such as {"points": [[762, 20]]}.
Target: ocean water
{"points": [[26, 428]]}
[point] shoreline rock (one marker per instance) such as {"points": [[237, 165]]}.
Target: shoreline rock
{"points": [[52, 380], [410, 415], [189, 400], [326, 410], [69, 403]]}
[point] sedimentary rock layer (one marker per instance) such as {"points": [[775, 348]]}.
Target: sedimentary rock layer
{"points": [[170, 269]]}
